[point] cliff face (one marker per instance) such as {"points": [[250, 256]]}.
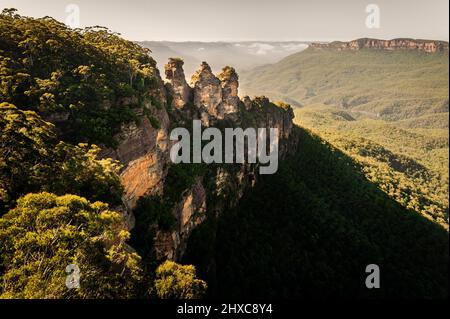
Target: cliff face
{"points": [[428, 46], [144, 149]]}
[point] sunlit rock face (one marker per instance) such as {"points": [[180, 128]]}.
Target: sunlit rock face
{"points": [[143, 147], [176, 84], [143, 150], [207, 91], [230, 84]]}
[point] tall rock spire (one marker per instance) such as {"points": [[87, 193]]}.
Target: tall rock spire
{"points": [[207, 90], [230, 83], [176, 83]]}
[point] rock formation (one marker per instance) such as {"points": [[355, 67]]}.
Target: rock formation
{"points": [[229, 82], [144, 149], [428, 46], [247, 102], [207, 90], [189, 213], [213, 96], [176, 84]]}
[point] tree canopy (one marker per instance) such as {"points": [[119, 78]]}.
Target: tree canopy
{"points": [[45, 233], [174, 281]]}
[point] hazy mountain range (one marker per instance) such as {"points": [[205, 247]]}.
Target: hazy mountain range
{"points": [[240, 55]]}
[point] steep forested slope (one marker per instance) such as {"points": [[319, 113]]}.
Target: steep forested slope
{"points": [[409, 164], [310, 231]]}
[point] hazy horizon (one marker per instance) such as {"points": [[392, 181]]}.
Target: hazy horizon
{"points": [[251, 20]]}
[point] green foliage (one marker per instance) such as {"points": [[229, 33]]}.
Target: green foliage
{"points": [[228, 73], [410, 165], [154, 213], [80, 171], [157, 212], [83, 75], [153, 120], [174, 281], [87, 82], [25, 140], [32, 160], [261, 109], [155, 102], [45, 233]]}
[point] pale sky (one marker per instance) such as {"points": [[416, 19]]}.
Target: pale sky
{"points": [[241, 20]]}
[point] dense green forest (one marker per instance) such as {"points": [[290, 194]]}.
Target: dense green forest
{"points": [[62, 92], [323, 224]]}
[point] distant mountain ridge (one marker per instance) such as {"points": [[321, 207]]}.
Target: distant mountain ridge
{"points": [[394, 84], [241, 55], [430, 46]]}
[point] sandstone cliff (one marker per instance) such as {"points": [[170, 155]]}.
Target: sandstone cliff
{"points": [[143, 149], [429, 46]]}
